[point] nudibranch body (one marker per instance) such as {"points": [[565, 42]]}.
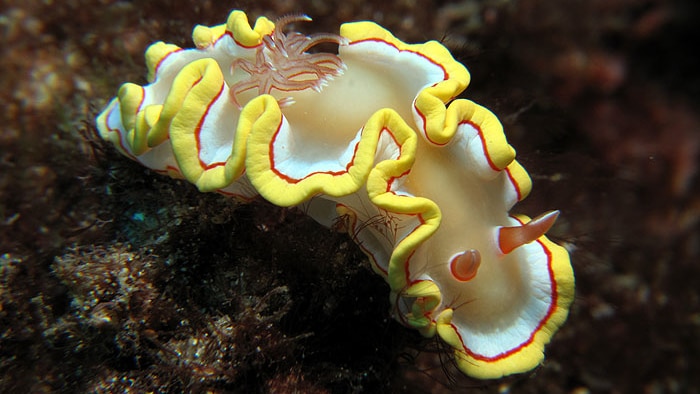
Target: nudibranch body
{"points": [[371, 141]]}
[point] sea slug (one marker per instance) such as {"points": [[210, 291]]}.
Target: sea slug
{"points": [[374, 142]]}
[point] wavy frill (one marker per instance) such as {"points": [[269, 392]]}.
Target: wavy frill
{"points": [[422, 181]]}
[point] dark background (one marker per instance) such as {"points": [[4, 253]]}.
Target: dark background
{"points": [[113, 278]]}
